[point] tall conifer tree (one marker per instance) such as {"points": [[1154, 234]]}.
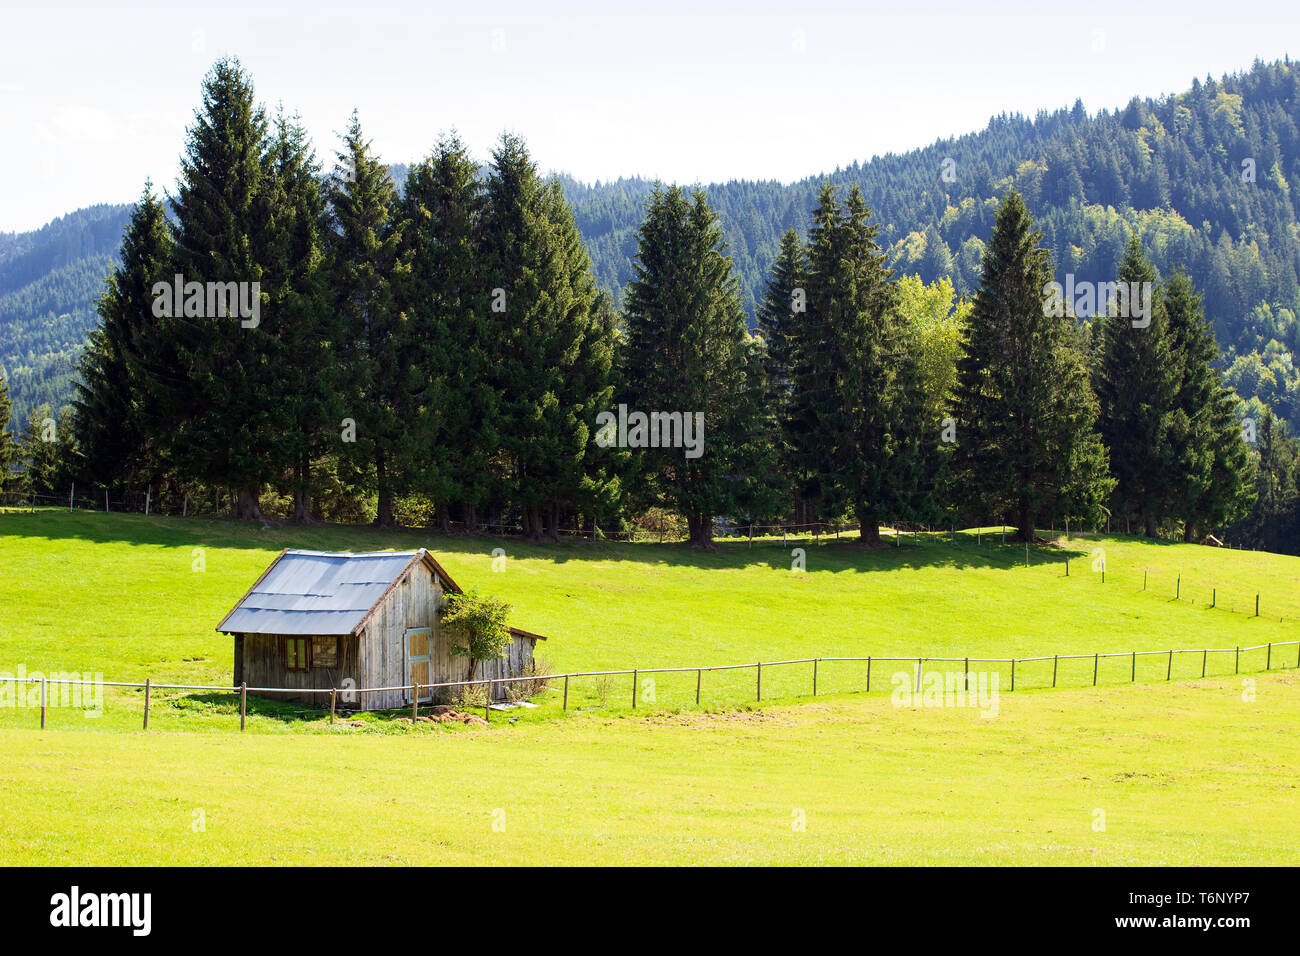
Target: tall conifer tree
{"points": [[553, 357], [688, 351], [1026, 440], [1136, 382], [363, 243], [215, 374], [1211, 481], [111, 413]]}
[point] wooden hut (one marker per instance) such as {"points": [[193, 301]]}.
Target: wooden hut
{"points": [[320, 619]]}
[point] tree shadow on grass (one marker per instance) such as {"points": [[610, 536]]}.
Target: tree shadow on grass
{"points": [[821, 554]]}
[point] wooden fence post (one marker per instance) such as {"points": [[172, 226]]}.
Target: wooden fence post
{"points": [[1268, 661], [1170, 669], [758, 690], [148, 681], [918, 675], [1144, 579], [487, 702], [566, 692], [333, 694], [814, 677], [966, 672], [1214, 597], [1178, 592], [243, 704], [1067, 567], [634, 688], [868, 672], [42, 703], [1055, 660], [415, 700], [1095, 659], [1013, 674], [1133, 675], [1205, 653], [1257, 605], [699, 677], [1236, 667]]}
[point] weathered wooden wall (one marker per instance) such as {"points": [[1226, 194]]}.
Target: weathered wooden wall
{"points": [[262, 664], [413, 602]]}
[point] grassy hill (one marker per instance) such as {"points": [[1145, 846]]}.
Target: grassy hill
{"points": [[1191, 771]]}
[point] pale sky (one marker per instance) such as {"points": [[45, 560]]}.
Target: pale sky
{"points": [[95, 96]]}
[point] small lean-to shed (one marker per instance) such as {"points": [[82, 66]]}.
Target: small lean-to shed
{"points": [[322, 619]]}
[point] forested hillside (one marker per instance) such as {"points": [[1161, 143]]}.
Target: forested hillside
{"points": [[48, 281], [1210, 180], [1207, 178]]}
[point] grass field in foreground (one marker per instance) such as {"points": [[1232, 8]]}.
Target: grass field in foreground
{"points": [[1184, 773], [120, 595]]}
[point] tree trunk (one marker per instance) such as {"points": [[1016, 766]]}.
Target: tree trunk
{"points": [[1189, 532], [384, 513], [1025, 531], [302, 493], [246, 504], [1151, 526], [700, 528], [868, 530]]}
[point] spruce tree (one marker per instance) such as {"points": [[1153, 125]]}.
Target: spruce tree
{"points": [[778, 315], [1136, 382], [450, 342], [363, 242], [1212, 479], [858, 382], [215, 373], [112, 420], [687, 352], [553, 357], [1026, 412], [306, 381]]}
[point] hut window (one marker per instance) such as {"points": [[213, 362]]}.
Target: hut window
{"points": [[295, 653], [324, 651]]}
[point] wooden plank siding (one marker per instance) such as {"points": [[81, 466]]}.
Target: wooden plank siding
{"points": [[262, 663]]}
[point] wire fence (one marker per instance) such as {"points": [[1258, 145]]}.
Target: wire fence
{"points": [[735, 684]]}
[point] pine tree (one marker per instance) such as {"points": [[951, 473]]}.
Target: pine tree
{"points": [[214, 373], [363, 244], [306, 385], [1212, 477], [858, 384], [783, 308], [553, 357], [1026, 411], [450, 342], [112, 423], [686, 352], [1136, 382]]}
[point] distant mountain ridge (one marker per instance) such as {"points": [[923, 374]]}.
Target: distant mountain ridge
{"points": [[1210, 178]]}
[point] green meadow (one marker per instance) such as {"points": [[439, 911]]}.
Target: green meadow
{"points": [[1180, 773], [1185, 770]]}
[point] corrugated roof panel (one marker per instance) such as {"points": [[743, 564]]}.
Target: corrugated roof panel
{"points": [[317, 592]]}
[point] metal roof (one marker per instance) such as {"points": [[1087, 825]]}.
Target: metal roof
{"points": [[318, 592]]}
